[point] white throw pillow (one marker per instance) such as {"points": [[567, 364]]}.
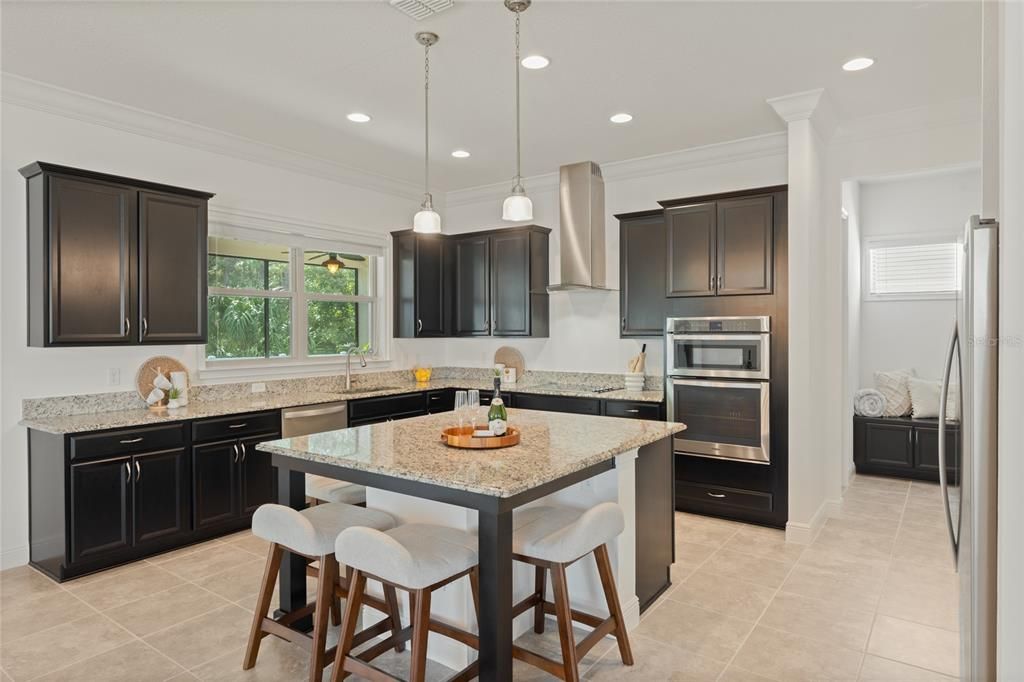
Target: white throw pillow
{"points": [[893, 385], [925, 398]]}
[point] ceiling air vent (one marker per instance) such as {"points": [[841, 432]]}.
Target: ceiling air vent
{"points": [[421, 9]]}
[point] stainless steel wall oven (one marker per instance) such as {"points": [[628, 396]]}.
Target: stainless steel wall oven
{"points": [[717, 372]]}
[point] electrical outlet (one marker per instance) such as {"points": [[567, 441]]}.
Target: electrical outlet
{"points": [[113, 376], [259, 387]]}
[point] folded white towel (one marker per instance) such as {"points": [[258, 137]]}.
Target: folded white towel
{"points": [[869, 402]]}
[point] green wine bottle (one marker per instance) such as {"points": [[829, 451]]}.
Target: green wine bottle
{"points": [[497, 417]]}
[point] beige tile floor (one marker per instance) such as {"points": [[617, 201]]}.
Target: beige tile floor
{"points": [[872, 598]]}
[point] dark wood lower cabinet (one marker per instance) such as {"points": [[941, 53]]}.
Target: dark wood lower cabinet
{"points": [[215, 483], [655, 521], [904, 447], [258, 482], [101, 500], [161, 495]]}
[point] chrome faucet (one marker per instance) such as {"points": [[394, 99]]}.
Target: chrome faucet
{"points": [[348, 363]]}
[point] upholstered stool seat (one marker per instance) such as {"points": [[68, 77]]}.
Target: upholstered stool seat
{"points": [[324, 489], [418, 558], [552, 538], [564, 534], [311, 533]]}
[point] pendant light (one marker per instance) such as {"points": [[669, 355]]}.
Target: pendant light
{"points": [[517, 206], [426, 220]]}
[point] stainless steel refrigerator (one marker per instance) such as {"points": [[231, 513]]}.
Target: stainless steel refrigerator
{"points": [[967, 464]]}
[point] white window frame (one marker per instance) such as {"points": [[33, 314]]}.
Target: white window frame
{"points": [[916, 239], [300, 363]]}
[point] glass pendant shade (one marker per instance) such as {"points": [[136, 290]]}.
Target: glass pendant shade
{"points": [[517, 206], [426, 221]]}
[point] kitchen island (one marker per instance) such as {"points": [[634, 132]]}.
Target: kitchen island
{"points": [[568, 459]]}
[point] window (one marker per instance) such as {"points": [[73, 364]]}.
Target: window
{"points": [[913, 268], [278, 303]]}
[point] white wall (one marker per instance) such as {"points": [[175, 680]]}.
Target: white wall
{"points": [[29, 135], [851, 335], [1010, 161], [584, 333], [912, 333]]}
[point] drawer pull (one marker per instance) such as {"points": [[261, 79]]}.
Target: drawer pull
{"points": [[128, 441], [237, 426], [633, 411], [716, 495]]}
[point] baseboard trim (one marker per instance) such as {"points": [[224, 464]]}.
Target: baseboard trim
{"points": [[804, 533], [13, 557]]}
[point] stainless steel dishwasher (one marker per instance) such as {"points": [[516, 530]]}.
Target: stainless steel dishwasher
{"points": [[302, 421]]}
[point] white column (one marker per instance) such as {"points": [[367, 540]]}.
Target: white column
{"points": [[809, 120]]}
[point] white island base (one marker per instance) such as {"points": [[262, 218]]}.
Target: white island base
{"points": [[454, 604]]}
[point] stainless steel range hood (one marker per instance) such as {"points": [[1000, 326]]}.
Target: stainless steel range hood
{"points": [[581, 234]]}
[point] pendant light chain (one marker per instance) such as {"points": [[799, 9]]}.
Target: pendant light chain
{"points": [[519, 170], [426, 119]]}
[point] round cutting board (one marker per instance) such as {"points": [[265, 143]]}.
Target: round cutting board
{"points": [[147, 372], [510, 357]]}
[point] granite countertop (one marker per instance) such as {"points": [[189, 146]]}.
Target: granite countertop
{"points": [[553, 445], [197, 409]]}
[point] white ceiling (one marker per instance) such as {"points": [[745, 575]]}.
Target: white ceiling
{"points": [[691, 73]]}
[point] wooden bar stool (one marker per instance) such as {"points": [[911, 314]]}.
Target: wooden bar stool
{"points": [[552, 538], [419, 559], [311, 533]]}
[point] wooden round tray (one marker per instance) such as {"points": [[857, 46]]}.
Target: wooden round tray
{"points": [[462, 437]]}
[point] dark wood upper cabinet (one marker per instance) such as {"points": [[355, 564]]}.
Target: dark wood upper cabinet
{"points": [[110, 258], [642, 275], [690, 248], [510, 284], [488, 283], [421, 285], [744, 246], [85, 242], [472, 286], [721, 246], [172, 268]]}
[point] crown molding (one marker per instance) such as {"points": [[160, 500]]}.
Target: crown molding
{"points": [[811, 105], [744, 149], [959, 112], [52, 99]]}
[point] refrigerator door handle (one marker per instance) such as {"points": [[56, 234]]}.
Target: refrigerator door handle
{"points": [[943, 478]]}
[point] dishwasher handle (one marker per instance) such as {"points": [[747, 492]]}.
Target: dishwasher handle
{"points": [[318, 412]]}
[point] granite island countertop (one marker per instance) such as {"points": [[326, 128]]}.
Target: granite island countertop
{"points": [[553, 444], [199, 409]]}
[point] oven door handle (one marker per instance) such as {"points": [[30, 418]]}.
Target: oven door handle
{"points": [[754, 385]]}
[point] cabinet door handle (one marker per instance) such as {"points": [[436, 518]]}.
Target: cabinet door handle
{"points": [[716, 495], [235, 448], [623, 324], [237, 426], [128, 470], [145, 327], [419, 326], [127, 326], [719, 281], [244, 452], [127, 441], [138, 471]]}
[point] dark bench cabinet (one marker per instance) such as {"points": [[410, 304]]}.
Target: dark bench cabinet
{"points": [[904, 447], [104, 498]]}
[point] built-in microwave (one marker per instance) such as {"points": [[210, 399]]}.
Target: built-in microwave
{"points": [[718, 347]]}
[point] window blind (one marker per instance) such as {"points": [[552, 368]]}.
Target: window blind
{"points": [[915, 269]]}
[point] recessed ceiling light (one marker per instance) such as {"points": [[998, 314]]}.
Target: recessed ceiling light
{"points": [[460, 154], [621, 118], [356, 117], [535, 61], [858, 64]]}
